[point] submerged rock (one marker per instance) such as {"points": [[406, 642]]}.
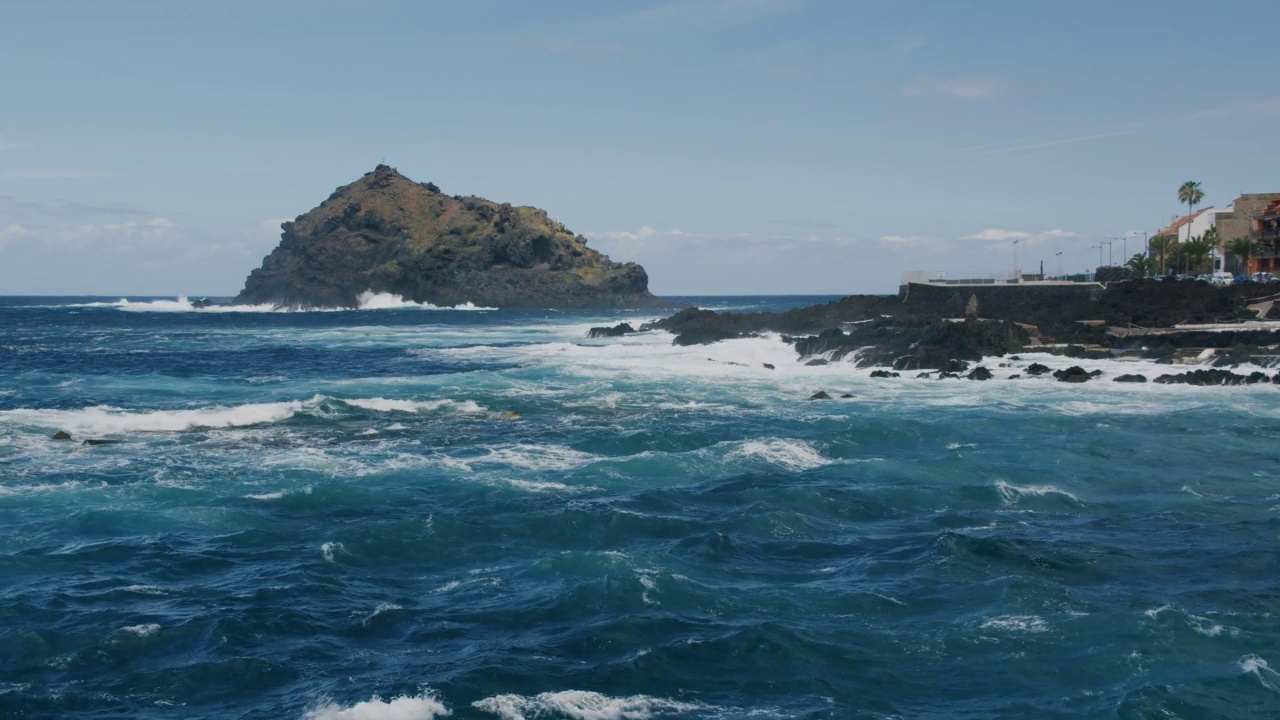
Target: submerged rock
{"points": [[100, 441], [62, 435], [820, 395], [1134, 378], [1037, 369], [884, 374], [816, 362], [769, 366]]}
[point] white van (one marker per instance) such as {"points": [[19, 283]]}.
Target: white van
{"points": [[1221, 277]]}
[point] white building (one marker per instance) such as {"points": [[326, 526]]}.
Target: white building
{"points": [[1196, 225]]}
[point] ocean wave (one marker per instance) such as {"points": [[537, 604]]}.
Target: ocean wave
{"points": [[794, 455], [404, 707], [142, 630], [583, 705], [413, 406], [1257, 667], [108, 420], [1017, 624], [369, 300], [1013, 494]]}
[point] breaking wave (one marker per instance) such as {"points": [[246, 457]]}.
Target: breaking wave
{"points": [[582, 705], [404, 707], [369, 300]]}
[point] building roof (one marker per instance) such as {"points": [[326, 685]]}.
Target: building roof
{"points": [[1272, 208], [1180, 222]]}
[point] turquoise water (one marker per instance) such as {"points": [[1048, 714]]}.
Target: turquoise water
{"points": [[407, 512]]}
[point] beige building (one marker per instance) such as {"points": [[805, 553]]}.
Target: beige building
{"points": [[1255, 216]]}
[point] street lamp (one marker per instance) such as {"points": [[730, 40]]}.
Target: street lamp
{"points": [[1059, 256], [1099, 246], [1108, 252], [1016, 272]]}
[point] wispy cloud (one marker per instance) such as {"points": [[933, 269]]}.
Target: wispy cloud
{"points": [[131, 236], [14, 207], [704, 12], [1002, 148], [58, 174], [964, 87], [903, 240], [1258, 106], [996, 238]]}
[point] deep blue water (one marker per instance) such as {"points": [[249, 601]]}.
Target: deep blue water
{"points": [[404, 512]]}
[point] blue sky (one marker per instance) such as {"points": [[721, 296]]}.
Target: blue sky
{"points": [[730, 146]]}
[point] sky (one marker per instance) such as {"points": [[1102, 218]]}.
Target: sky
{"points": [[152, 147]]}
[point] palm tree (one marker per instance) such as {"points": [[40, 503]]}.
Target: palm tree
{"points": [[1196, 251], [1162, 245], [1244, 247], [1140, 265], [1190, 193]]}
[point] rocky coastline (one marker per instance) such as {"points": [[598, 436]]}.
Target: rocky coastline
{"points": [[941, 332]]}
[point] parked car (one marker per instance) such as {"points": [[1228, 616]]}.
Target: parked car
{"points": [[1221, 278], [1241, 279], [1265, 277], [1184, 276]]}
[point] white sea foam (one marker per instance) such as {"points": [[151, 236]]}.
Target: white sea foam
{"points": [[1017, 623], [405, 707], [267, 496], [107, 420], [545, 486], [536, 457], [1012, 494], [382, 608], [379, 404], [795, 455], [330, 549], [142, 630], [145, 590], [582, 705], [1257, 667], [369, 300]]}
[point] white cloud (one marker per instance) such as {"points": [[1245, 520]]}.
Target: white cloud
{"points": [[999, 240], [641, 234], [970, 87], [996, 234], [903, 240]]}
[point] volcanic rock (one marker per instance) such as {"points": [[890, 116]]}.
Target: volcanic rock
{"points": [[820, 395], [1037, 369], [1134, 378], [62, 435], [616, 331], [979, 373], [387, 234], [1211, 377], [1073, 374]]}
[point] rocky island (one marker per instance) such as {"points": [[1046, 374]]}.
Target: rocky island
{"points": [[385, 233]]}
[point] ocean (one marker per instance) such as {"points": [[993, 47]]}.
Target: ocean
{"points": [[406, 513]]}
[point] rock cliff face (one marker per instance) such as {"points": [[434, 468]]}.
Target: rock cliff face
{"points": [[386, 233]]}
